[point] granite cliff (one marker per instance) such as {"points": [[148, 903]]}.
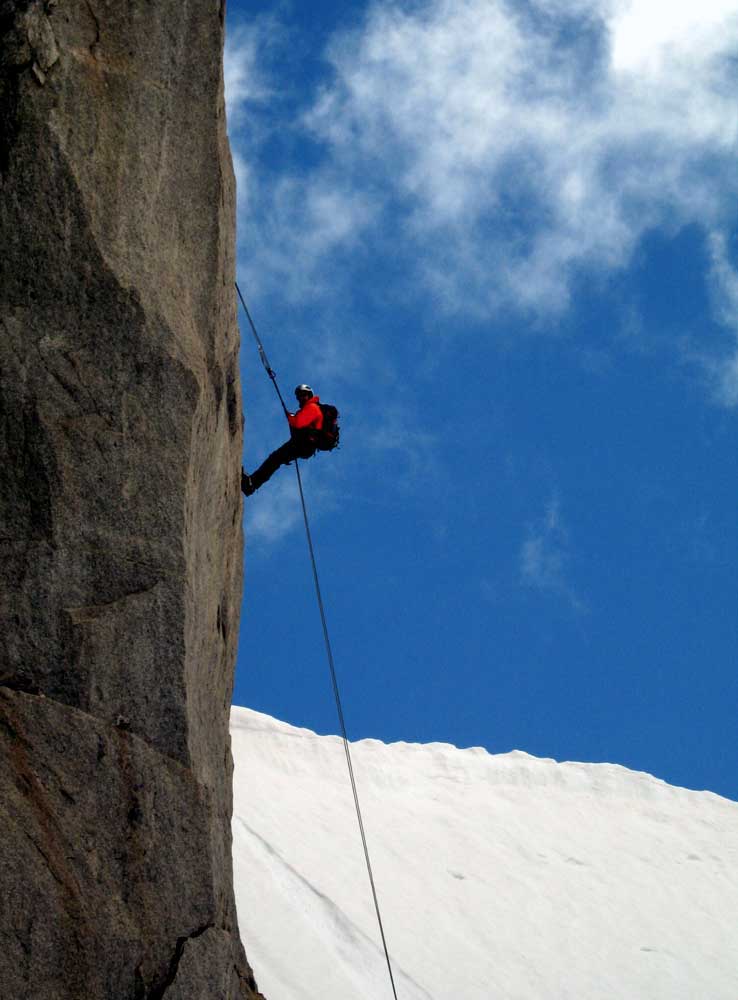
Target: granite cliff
{"points": [[120, 516]]}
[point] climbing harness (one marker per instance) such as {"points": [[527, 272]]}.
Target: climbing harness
{"points": [[329, 654]]}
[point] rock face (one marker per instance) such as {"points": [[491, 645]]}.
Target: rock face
{"points": [[120, 526]]}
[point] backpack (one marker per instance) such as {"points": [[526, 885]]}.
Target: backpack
{"points": [[327, 438]]}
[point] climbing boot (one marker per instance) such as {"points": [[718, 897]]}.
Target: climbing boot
{"points": [[247, 487]]}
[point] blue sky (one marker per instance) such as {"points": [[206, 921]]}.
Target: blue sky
{"points": [[501, 238]]}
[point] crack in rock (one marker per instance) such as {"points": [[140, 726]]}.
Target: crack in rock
{"points": [[158, 992]]}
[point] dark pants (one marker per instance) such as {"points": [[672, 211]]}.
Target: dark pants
{"points": [[286, 453]]}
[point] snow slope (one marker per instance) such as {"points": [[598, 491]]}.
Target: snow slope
{"points": [[504, 877]]}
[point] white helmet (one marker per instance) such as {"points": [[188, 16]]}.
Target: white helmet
{"points": [[300, 389]]}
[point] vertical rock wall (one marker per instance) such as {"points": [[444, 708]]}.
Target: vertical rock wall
{"points": [[120, 528]]}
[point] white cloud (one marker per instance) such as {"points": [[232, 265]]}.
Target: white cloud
{"points": [[725, 291], [273, 511], [646, 37], [484, 154], [242, 72], [500, 147], [243, 174], [248, 91], [293, 241], [544, 556]]}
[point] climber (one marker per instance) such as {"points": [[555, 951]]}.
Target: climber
{"points": [[306, 436]]}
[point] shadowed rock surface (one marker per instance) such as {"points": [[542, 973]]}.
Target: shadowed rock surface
{"points": [[120, 527]]}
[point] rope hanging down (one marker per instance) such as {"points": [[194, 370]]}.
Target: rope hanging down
{"points": [[329, 653], [260, 348]]}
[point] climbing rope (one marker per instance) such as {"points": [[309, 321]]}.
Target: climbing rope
{"points": [[331, 662], [260, 348]]}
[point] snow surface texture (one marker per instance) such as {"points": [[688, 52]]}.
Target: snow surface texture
{"points": [[499, 877]]}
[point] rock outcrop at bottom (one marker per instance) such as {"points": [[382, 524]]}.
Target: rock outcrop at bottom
{"points": [[106, 871]]}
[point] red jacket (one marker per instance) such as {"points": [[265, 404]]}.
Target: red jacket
{"points": [[309, 416]]}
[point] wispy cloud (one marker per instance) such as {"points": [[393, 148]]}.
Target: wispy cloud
{"points": [[544, 557], [492, 151], [274, 512], [243, 71], [724, 373], [249, 91], [406, 446]]}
